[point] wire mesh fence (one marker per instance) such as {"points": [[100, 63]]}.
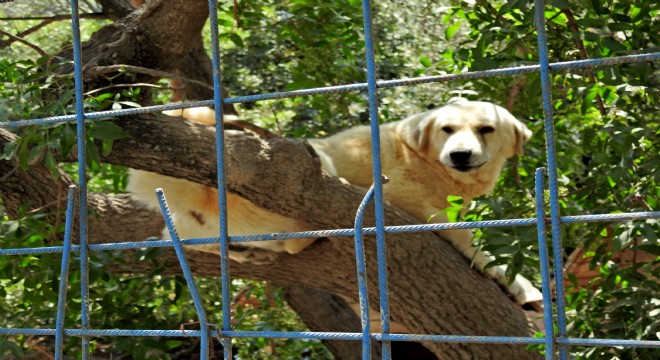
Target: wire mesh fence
{"points": [[556, 341]]}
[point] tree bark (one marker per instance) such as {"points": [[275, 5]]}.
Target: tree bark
{"points": [[329, 313], [433, 288]]}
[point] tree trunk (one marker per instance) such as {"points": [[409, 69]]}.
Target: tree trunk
{"points": [[329, 313], [433, 289]]}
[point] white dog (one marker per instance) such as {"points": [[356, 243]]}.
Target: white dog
{"points": [[458, 149]]}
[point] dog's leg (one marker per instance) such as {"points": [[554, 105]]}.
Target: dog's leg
{"points": [[295, 246], [520, 288]]}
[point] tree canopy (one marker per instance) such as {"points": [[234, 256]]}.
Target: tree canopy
{"points": [[606, 128]]}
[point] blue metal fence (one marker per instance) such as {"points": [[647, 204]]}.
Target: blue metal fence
{"points": [[555, 342]]}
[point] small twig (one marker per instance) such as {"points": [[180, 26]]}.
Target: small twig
{"points": [[24, 33], [239, 298], [102, 70], [234, 11], [520, 39], [34, 211], [123, 86], [34, 344], [577, 191], [9, 173], [58, 211], [241, 124], [182, 327], [513, 93], [515, 90], [270, 294], [639, 200], [583, 55], [55, 17], [29, 44]]}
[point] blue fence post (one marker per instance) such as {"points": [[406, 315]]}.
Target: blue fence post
{"points": [[222, 186], [545, 267], [555, 223], [377, 176], [82, 174], [64, 273], [190, 279], [362, 275]]}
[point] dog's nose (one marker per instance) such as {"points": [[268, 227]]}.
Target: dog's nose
{"points": [[460, 157]]}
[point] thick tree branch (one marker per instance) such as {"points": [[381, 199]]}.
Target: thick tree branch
{"points": [[333, 313], [433, 288], [284, 176], [152, 37]]}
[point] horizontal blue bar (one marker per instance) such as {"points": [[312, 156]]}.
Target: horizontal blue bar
{"points": [[336, 336], [387, 337], [643, 215], [339, 233], [101, 115], [609, 342], [566, 65], [102, 332]]}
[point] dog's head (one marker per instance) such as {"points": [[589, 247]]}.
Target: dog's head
{"points": [[468, 136]]}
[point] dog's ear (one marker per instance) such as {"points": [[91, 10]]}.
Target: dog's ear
{"points": [[422, 134], [521, 134]]}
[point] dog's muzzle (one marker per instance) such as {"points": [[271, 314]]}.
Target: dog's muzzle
{"points": [[461, 161]]}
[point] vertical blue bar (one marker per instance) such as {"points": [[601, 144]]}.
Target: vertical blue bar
{"points": [[64, 274], [222, 187], [190, 279], [362, 276], [546, 87], [82, 174], [545, 268], [378, 179]]}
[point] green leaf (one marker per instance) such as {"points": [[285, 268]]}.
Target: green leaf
{"points": [[653, 249], [93, 157], [8, 151], [425, 61], [560, 4], [589, 97], [35, 152], [67, 139], [51, 165], [515, 267], [236, 39], [107, 131], [596, 6], [7, 345], [450, 31], [611, 182], [455, 201]]}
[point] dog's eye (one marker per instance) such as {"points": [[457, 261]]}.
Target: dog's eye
{"points": [[447, 129], [486, 130]]}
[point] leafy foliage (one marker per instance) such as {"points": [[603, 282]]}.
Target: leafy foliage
{"points": [[607, 127]]}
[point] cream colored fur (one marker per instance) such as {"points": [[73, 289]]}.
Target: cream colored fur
{"points": [[458, 149], [194, 209], [416, 155]]}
